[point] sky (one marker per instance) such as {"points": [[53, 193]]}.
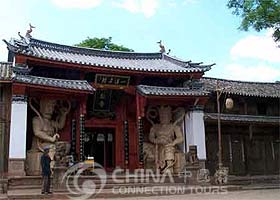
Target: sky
{"points": [[197, 30]]}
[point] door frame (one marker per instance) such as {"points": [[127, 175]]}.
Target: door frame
{"points": [[91, 129]]}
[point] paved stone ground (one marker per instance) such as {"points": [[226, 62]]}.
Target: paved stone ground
{"points": [[261, 194], [270, 194]]}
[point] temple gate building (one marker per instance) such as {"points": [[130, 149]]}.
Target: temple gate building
{"points": [[109, 101]]}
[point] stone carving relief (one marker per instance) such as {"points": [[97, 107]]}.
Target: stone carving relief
{"points": [[45, 126], [161, 152], [221, 176], [62, 150], [203, 176]]}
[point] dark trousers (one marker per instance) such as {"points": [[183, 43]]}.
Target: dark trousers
{"points": [[46, 183]]}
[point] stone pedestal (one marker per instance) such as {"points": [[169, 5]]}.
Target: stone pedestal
{"points": [[59, 184], [16, 167], [192, 174], [33, 164]]}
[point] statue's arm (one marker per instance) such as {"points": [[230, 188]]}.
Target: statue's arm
{"points": [[179, 136], [60, 123], [38, 132], [63, 111]]}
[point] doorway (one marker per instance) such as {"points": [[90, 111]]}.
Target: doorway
{"points": [[100, 144]]}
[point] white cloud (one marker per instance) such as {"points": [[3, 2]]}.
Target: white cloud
{"points": [[172, 3], [257, 47], [261, 50], [258, 73], [146, 7], [130, 5], [81, 4], [188, 2]]}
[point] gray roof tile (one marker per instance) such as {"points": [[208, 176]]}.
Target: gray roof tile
{"points": [[170, 91], [150, 62], [6, 73], [243, 88], [57, 83], [243, 118]]}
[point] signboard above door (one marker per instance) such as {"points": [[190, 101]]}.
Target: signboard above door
{"points": [[112, 80]]}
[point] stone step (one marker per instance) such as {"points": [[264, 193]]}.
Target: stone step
{"points": [[247, 180], [98, 183], [122, 192], [97, 186], [32, 181], [147, 191], [3, 196]]}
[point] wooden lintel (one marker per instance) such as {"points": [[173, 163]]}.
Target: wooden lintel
{"points": [[50, 89], [18, 89], [128, 89], [100, 123]]}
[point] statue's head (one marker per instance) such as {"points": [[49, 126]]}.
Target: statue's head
{"points": [[47, 107], [165, 114]]}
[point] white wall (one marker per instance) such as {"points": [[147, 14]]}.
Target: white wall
{"points": [[195, 132], [18, 130]]}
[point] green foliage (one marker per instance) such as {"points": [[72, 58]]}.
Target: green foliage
{"points": [[258, 14], [102, 43]]}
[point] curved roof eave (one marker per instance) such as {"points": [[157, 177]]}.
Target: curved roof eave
{"points": [[145, 62]]}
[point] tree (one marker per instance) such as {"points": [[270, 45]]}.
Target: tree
{"points": [[258, 14], [102, 43]]}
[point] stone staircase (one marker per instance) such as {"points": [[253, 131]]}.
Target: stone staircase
{"points": [[125, 186], [28, 187]]}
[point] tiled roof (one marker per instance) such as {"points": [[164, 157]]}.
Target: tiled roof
{"points": [[150, 62], [243, 118], [80, 85], [6, 72], [169, 91], [11, 73], [243, 88]]}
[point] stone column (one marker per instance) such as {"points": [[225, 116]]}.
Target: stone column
{"points": [[195, 132], [17, 147], [5, 108]]}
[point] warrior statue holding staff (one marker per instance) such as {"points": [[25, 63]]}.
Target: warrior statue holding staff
{"points": [[45, 128], [163, 138]]}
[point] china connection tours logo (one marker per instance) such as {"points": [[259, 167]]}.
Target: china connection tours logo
{"points": [[123, 182], [85, 188]]}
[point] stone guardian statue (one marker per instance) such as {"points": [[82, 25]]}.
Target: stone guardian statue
{"points": [[163, 140], [45, 128]]}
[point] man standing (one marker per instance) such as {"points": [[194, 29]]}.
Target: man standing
{"points": [[46, 171]]}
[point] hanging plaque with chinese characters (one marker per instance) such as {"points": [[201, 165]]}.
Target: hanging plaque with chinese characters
{"points": [[102, 100], [112, 80]]}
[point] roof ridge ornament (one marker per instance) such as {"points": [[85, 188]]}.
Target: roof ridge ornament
{"points": [[29, 31], [22, 44], [161, 46]]}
